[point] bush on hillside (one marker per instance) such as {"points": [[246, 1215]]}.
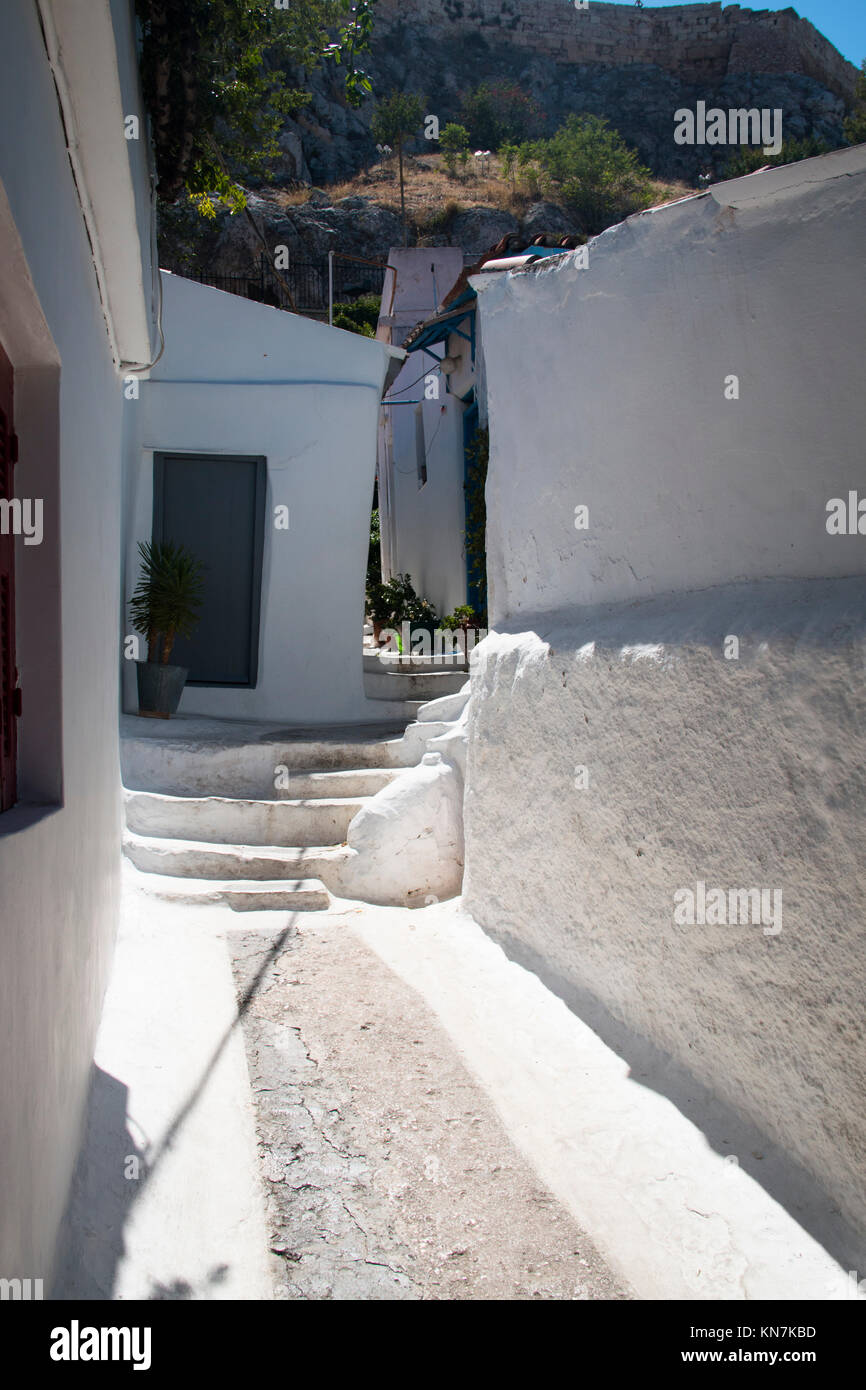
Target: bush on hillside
{"points": [[454, 144], [587, 166], [496, 113], [748, 158]]}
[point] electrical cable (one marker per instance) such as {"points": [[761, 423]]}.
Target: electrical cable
{"points": [[386, 400]]}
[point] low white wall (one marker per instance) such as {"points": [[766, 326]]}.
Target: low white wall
{"points": [[616, 755], [242, 378]]}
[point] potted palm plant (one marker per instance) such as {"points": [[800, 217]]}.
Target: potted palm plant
{"points": [[165, 606]]}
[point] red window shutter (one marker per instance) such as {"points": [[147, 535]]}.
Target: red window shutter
{"points": [[8, 673]]}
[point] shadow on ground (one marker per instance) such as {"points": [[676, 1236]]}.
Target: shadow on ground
{"points": [[113, 1169], [101, 1195], [728, 1132]]}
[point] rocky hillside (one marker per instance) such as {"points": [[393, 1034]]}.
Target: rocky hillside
{"points": [[633, 66], [349, 223], [645, 64]]}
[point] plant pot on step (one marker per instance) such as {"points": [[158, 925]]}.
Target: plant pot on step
{"points": [[163, 607], [159, 688]]}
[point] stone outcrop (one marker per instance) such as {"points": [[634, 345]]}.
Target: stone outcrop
{"points": [[476, 229], [354, 226]]}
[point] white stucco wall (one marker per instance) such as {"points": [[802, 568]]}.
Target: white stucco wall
{"points": [[242, 378], [429, 521], [707, 520], [606, 388], [422, 527], [59, 848]]}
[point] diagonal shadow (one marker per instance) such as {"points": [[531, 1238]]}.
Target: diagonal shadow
{"points": [[104, 1190]]}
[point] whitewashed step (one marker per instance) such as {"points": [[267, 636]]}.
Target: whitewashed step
{"points": [[233, 821], [192, 756], [412, 685], [200, 859], [394, 663], [286, 894], [354, 782]]}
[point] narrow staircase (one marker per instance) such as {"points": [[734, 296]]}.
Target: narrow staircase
{"points": [[252, 819]]}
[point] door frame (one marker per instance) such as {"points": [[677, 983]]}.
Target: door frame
{"points": [[261, 480]]}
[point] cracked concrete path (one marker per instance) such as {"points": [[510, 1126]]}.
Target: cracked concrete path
{"points": [[388, 1173], [375, 1103]]}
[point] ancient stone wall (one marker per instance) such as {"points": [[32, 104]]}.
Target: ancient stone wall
{"points": [[694, 41]]}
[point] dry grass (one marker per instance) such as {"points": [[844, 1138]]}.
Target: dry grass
{"points": [[290, 197], [432, 194]]}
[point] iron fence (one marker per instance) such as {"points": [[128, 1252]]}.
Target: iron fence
{"points": [[303, 285]]}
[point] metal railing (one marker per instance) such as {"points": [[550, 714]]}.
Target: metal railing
{"points": [[302, 286]]}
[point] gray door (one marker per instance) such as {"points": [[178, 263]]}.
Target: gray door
{"points": [[215, 506]]}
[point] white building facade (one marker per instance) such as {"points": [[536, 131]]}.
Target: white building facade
{"points": [[259, 428], [421, 459]]}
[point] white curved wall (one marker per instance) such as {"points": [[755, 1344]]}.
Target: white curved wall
{"points": [[707, 521]]}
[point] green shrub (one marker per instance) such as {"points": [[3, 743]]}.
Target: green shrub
{"points": [[498, 112], [463, 616], [590, 168], [750, 157], [454, 144], [359, 315], [396, 602]]}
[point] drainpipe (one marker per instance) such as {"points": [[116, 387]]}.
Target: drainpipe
{"points": [[331, 288]]}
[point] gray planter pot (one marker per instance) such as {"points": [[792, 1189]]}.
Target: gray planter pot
{"points": [[159, 688]]}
